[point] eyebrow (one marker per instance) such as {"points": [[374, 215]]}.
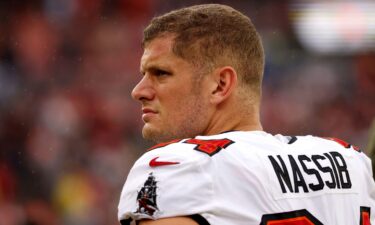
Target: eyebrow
{"points": [[155, 68]]}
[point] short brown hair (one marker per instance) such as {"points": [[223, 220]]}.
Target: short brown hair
{"points": [[213, 35]]}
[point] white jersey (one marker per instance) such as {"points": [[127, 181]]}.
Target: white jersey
{"points": [[252, 178]]}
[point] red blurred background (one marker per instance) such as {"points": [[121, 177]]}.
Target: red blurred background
{"points": [[69, 130]]}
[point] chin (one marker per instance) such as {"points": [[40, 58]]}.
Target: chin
{"points": [[156, 135], [152, 134]]}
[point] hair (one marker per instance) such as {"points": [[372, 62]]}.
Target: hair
{"points": [[213, 35]]}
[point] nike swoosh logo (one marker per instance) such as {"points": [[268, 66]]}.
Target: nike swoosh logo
{"points": [[154, 163]]}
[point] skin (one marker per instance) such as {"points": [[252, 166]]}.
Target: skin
{"points": [[172, 105], [175, 105]]}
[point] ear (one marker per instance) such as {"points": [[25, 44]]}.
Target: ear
{"points": [[225, 82]]}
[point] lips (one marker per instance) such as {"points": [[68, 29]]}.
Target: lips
{"points": [[147, 114], [147, 110]]}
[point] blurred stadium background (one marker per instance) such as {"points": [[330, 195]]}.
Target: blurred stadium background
{"points": [[69, 131]]}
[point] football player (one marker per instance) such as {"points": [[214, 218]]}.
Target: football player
{"points": [[200, 93]]}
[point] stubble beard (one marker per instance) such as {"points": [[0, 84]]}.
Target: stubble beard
{"points": [[191, 123]]}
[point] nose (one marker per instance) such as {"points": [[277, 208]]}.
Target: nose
{"points": [[143, 90]]}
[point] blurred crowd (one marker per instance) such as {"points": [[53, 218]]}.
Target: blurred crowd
{"points": [[69, 130]]}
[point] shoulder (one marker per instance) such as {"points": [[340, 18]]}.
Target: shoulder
{"points": [[342, 143], [183, 153], [169, 167], [158, 178], [335, 146], [324, 142], [321, 145], [209, 145]]}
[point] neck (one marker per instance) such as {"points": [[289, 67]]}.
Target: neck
{"points": [[234, 118]]}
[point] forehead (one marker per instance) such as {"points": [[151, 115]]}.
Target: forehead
{"points": [[158, 50]]}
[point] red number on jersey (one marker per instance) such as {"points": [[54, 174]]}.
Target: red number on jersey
{"points": [[365, 216], [303, 217], [210, 147], [299, 217]]}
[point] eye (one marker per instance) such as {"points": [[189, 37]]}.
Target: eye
{"points": [[161, 72]]}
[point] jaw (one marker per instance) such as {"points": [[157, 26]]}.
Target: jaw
{"points": [[188, 128], [150, 132], [157, 134], [182, 121]]}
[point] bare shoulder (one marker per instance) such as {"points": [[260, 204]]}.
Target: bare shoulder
{"points": [[170, 221]]}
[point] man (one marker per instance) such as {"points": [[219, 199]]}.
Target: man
{"points": [[202, 69]]}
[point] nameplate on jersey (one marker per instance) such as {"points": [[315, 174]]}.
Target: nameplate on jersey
{"points": [[300, 175]]}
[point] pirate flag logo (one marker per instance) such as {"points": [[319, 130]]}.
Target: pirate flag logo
{"points": [[146, 197]]}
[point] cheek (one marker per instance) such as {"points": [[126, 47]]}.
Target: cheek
{"points": [[190, 110], [175, 102], [182, 105], [177, 111], [174, 110]]}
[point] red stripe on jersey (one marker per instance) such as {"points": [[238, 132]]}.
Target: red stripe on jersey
{"points": [[160, 145], [342, 143]]}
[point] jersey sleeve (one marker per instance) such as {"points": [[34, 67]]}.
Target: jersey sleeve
{"points": [[166, 182]]}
